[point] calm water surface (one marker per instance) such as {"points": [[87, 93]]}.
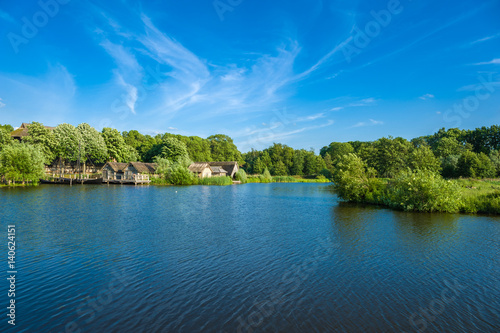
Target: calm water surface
{"points": [[248, 258]]}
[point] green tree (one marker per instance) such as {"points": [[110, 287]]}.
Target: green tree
{"points": [[241, 176], [21, 162], [336, 150], [495, 159], [93, 145], [279, 169], [5, 138], [42, 137], [8, 128], [173, 149], [422, 158], [474, 165], [116, 146], [351, 178], [67, 139], [222, 148]]}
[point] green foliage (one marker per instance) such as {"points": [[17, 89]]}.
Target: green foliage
{"points": [[423, 191], [93, 145], [67, 139], [422, 158], [21, 162], [222, 148], [173, 149], [8, 128], [226, 180], [175, 173], [266, 176], [351, 178], [336, 150], [387, 155], [116, 146], [241, 176], [472, 165], [5, 138], [495, 159], [43, 138]]}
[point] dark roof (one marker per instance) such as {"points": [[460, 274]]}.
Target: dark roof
{"points": [[22, 131], [230, 167], [198, 167], [144, 167], [217, 169], [116, 166]]}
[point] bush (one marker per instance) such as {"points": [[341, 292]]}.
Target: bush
{"points": [[423, 191], [241, 176], [180, 175], [226, 180], [21, 162], [351, 178]]}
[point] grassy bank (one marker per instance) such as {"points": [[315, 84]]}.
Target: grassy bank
{"points": [[286, 179]]}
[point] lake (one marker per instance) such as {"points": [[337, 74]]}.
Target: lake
{"points": [[243, 258]]}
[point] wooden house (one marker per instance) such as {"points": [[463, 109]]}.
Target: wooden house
{"points": [[135, 172], [230, 167], [218, 171], [114, 171], [201, 169]]}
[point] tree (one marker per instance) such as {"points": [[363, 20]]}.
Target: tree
{"points": [[8, 128], [279, 169], [5, 138], [336, 150], [266, 176], [93, 145], [42, 137], [21, 162], [422, 158], [67, 139], [173, 149], [495, 159], [222, 148], [350, 178], [474, 165], [116, 146]]}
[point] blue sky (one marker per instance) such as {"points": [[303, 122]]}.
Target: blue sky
{"points": [[303, 73]]}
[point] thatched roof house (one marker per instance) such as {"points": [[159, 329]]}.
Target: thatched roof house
{"points": [[22, 131], [201, 169], [127, 171], [218, 171], [230, 167]]}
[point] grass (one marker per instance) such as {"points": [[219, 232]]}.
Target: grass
{"points": [[286, 179], [216, 181]]}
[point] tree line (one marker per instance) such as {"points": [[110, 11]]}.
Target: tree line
{"points": [[452, 153]]}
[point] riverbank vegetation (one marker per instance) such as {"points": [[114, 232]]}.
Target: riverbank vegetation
{"points": [[420, 175]]}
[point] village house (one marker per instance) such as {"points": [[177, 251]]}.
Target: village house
{"points": [[214, 169], [132, 172], [230, 167], [201, 169], [22, 131]]}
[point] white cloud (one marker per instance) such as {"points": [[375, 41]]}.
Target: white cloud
{"points": [[172, 128], [2, 104], [371, 122], [311, 118], [363, 102], [338, 108], [492, 62], [426, 96], [484, 39]]}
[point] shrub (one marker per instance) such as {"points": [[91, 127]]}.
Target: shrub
{"points": [[423, 191], [226, 180], [241, 176], [351, 178]]}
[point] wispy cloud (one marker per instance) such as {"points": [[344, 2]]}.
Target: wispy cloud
{"points": [[492, 62], [426, 97], [363, 102], [484, 39], [2, 104], [337, 108], [371, 122], [311, 118]]}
